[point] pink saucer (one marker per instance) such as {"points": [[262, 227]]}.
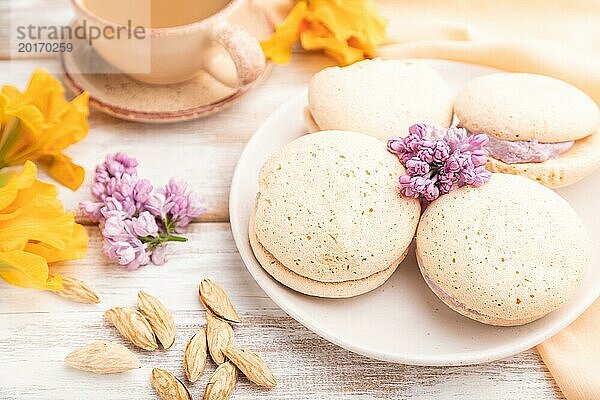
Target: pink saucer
{"points": [[119, 95]]}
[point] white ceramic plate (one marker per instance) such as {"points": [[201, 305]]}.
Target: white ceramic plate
{"points": [[402, 321]]}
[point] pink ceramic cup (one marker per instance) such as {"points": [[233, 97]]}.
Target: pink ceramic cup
{"points": [[173, 54]]}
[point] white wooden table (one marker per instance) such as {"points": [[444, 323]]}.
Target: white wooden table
{"points": [[38, 329]]}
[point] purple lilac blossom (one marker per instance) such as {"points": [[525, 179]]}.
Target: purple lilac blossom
{"points": [[144, 225], [135, 220], [415, 166], [176, 204], [438, 159], [91, 210], [159, 255], [113, 168], [121, 242]]}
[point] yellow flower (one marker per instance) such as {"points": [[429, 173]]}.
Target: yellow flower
{"points": [[39, 124], [347, 30], [35, 230]]}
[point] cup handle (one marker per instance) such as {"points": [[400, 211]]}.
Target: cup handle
{"points": [[244, 50]]}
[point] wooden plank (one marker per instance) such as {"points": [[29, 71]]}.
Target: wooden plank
{"points": [[38, 329], [203, 152]]}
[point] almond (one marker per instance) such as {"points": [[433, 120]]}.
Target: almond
{"points": [[76, 290], [216, 300], [103, 357], [159, 317], [221, 383], [168, 386], [133, 325], [252, 365], [219, 335], [194, 358]]}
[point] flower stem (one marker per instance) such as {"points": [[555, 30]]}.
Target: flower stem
{"points": [[173, 238]]}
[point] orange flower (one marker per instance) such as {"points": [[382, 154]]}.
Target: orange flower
{"points": [[347, 30], [35, 230], [39, 124]]}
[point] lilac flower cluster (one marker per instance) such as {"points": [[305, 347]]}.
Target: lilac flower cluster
{"points": [[137, 221], [438, 159]]}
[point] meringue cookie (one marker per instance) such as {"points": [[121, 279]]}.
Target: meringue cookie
{"points": [[381, 98], [504, 254], [539, 127], [329, 214]]}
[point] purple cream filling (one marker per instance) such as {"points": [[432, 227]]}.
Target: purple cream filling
{"points": [[525, 151], [445, 297]]}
